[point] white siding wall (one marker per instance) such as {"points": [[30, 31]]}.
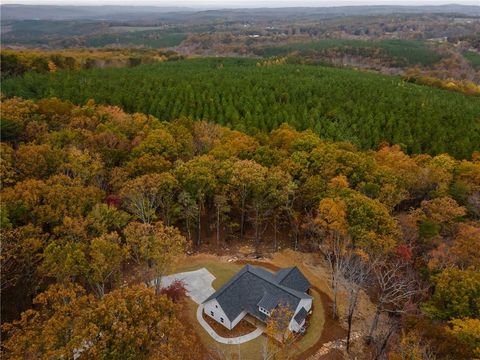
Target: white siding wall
{"points": [[219, 314], [214, 307], [238, 318], [307, 304]]}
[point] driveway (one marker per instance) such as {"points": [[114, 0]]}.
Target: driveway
{"points": [[223, 340], [199, 287], [198, 283]]}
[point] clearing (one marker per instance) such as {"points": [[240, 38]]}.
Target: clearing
{"points": [[223, 268]]}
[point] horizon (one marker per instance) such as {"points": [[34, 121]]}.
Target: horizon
{"points": [[246, 4]]}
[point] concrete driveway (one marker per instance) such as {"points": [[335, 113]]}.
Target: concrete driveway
{"points": [[198, 283], [229, 341], [199, 287]]}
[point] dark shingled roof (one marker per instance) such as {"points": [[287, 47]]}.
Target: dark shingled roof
{"points": [[301, 315], [293, 278], [253, 285], [268, 302]]}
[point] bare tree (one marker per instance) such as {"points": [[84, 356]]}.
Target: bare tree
{"points": [[331, 219], [338, 259], [381, 345], [222, 207], [357, 273], [395, 285]]}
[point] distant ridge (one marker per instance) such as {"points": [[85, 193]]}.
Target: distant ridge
{"points": [[112, 12], [81, 12]]}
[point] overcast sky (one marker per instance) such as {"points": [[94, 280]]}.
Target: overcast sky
{"points": [[241, 3]]}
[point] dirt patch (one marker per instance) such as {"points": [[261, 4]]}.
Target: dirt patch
{"points": [[335, 331], [242, 328]]}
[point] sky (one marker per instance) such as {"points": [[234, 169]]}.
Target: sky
{"points": [[241, 3]]}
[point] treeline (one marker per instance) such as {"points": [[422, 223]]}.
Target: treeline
{"points": [[147, 38], [97, 197], [340, 105], [463, 86], [16, 63], [397, 53]]}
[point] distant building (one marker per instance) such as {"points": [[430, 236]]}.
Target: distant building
{"points": [[256, 291]]}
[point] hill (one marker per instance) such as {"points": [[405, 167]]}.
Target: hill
{"points": [[54, 12], [96, 201], [363, 108], [399, 52]]}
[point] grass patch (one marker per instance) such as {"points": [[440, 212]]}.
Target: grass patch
{"points": [[222, 271], [315, 325], [251, 350]]}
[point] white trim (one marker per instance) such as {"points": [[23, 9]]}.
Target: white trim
{"points": [[307, 304], [231, 341]]}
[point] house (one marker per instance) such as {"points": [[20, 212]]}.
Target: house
{"points": [[256, 291]]}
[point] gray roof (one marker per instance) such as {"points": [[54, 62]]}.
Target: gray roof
{"points": [[268, 302], [293, 278], [301, 315], [254, 285]]}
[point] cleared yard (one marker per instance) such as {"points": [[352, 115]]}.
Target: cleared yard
{"points": [[221, 270], [251, 350]]}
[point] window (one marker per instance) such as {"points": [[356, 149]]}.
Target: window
{"points": [[263, 310], [211, 313], [221, 319]]}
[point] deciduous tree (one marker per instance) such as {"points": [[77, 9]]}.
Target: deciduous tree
{"points": [[396, 285], [51, 330], [105, 255], [147, 194], [154, 247], [457, 294], [331, 219]]}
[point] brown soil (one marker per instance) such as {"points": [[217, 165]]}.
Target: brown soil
{"points": [[335, 331], [242, 328]]}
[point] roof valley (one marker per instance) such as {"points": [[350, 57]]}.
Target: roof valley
{"points": [[252, 287]]}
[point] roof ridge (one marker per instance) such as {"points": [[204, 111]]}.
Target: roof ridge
{"points": [[252, 269], [291, 291], [228, 283], [290, 269]]}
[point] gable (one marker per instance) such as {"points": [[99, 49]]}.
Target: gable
{"points": [[294, 279]]}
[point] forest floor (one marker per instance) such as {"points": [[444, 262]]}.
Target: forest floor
{"points": [[321, 330]]}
